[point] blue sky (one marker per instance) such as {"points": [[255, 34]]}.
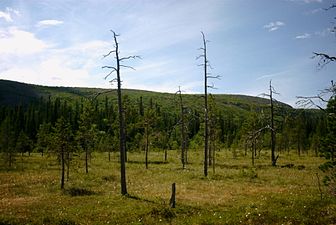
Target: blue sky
{"points": [[61, 43]]}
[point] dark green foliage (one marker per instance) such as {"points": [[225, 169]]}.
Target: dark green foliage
{"points": [[328, 147], [7, 141], [95, 123], [62, 143]]}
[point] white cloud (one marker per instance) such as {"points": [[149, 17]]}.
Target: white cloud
{"points": [[16, 41], [48, 23], [56, 67], [303, 36], [7, 15], [50, 72], [307, 1], [312, 1], [324, 32], [273, 26]]}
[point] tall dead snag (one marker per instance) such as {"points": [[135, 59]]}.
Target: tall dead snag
{"points": [[122, 126], [183, 132], [270, 95], [274, 159], [207, 75], [147, 144]]}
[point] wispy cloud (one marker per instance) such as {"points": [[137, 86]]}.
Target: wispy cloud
{"points": [[303, 36], [273, 26], [7, 15], [307, 1], [268, 76], [324, 32], [48, 23], [313, 11]]}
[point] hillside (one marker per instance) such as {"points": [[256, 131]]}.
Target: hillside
{"points": [[14, 93]]}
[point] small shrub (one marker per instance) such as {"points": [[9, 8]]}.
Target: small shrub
{"points": [[78, 192], [301, 167]]}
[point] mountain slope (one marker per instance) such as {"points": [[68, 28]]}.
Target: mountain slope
{"points": [[14, 93]]}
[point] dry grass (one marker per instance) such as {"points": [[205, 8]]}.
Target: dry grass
{"points": [[236, 194]]}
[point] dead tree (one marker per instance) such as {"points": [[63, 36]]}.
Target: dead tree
{"points": [[318, 100], [122, 126], [147, 144], [252, 139], [270, 95], [183, 132], [207, 76]]}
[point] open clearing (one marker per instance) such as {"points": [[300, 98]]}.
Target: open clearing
{"points": [[236, 194]]}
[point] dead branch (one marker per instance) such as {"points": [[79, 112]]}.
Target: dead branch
{"points": [[113, 51], [324, 59], [130, 67], [130, 57]]}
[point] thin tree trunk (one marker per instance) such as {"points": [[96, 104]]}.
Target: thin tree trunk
{"points": [[272, 128], [62, 168], [86, 161], [206, 131], [122, 137], [172, 201], [68, 167], [183, 136], [146, 147]]}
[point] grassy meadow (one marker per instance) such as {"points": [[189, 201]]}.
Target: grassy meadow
{"points": [[236, 193]]}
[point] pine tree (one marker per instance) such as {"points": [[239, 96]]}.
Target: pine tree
{"points": [[7, 141], [62, 145], [86, 134]]}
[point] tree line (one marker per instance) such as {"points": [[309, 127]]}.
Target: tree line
{"points": [[92, 125]]}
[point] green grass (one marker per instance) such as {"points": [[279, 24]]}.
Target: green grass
{"points": [[235, 194]]}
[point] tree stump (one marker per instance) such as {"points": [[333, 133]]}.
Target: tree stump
{"points": [[172, 198]]}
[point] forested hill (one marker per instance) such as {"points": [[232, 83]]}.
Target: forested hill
{"points": [[15, 93], [26, 110]]}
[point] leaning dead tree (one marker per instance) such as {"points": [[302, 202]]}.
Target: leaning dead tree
{"points": [[122, 126], [206, 65]]}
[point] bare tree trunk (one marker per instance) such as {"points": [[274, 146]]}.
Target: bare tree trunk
{"points": [[122, 125], [68, 166], [86, 161], [213, 157], [146, 147], [172, 201], [122, 137], [183, 135], [272, 128], [62, 168], [206, 127], [253, 150], [165, 155]]}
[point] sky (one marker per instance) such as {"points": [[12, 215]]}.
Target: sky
{"points": [[62, 43]]}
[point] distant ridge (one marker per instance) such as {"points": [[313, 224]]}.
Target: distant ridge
{"points": [[14, 93]]}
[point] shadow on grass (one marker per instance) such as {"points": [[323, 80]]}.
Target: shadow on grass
{"points": [[75, 191], [139, 198], [149, 162]]}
